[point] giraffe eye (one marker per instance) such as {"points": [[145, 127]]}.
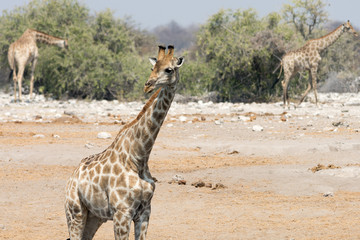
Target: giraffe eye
{"points": [[169, 70], [152, 69]]}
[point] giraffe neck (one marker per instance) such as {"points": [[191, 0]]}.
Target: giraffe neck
{"points": [[47, 39], [137, 138], [327, 40]]}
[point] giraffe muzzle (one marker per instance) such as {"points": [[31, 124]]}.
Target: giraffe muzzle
{"points": [[149, 85]]}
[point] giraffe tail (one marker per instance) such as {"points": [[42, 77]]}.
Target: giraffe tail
{"points": [[11, 73], [281, 68], [278, 66]]}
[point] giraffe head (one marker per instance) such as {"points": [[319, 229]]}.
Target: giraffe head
{"points": [[64, 44], [165, 70], [349, 28]]}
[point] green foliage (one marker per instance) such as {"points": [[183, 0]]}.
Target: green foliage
{"points": [[235, 52], [102, 61], [239, 51], [305, 15]]}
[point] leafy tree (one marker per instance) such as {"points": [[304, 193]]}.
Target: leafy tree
{"points": [[241, 51], [103, 60], [305, 15]]}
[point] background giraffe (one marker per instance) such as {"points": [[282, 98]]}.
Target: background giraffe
{"points": [[308, 58], [24, 50], [116, 184]]}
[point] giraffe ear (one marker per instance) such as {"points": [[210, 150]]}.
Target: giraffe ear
{"points": [[153, 61], [179, 62]]}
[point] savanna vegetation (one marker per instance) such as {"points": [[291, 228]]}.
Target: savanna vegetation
{"points": [[233, 55]]}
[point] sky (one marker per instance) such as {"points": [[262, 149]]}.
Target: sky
{"points": [[149, 14]]}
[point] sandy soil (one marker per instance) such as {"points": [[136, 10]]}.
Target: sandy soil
{"points": [[270, 191]]}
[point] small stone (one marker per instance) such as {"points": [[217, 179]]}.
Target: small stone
{"points": [[336, 124], [257, 128], [244, 118], [217, 122], [328, 194], [208, 185], [218, 186], [169, 125], [55, 136], [233, 152], [70, 113], [182, 182], [104, 135], [177, 178], [38, 136], [182, 118], [198, 184], [89, 145]]}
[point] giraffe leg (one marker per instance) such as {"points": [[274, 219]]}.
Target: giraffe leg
{"points": [[14, 80], [285, 85], [76, 216], [32, 77], [92, 225], [306, 91], [313, 78], [142, 223], [19, 79], [122, 224]]}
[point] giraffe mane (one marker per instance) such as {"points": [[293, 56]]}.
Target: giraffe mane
{"points": [[325, 35], [37, 31], [143, 110]]}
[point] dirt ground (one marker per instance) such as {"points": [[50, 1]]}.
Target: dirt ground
{"points": [[269, 189]]}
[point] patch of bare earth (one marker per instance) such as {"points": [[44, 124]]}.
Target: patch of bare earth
{"points": [[269, 190]]}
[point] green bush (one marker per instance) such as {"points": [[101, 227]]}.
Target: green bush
{"points": [[102, 62]]}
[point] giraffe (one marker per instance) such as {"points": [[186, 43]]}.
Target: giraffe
{"points": [[116, 184], [24, 50], [308, 58]]}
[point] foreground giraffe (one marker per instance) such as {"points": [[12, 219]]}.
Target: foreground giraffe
{"points": [[116, 184], [308, 58], [24, 50]]}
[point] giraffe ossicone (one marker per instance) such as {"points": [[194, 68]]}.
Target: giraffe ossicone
{"points": [[24, 51], [308, 58], [116, 184]]}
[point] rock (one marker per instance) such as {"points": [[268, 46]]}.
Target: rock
{"points": [[70, 113], [244, 118], [56, 136], [104, 135], [336, 124], [198, 184], [283, 118], [233, 152], [218, 186], [182, 118], [89, 145], [257, 128], [328, 194], [182, 182], [208, 185], [177, 179], [217, 122], [39, 136]]}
